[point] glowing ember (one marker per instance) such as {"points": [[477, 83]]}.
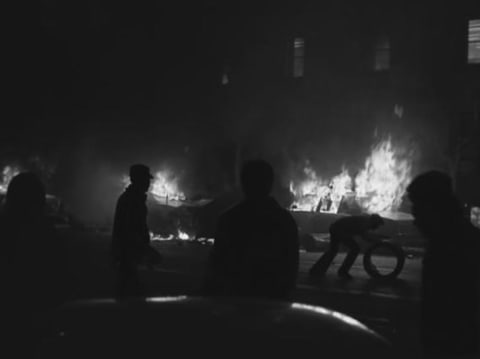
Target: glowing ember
{"points": [[381, 185], [7, 174]]}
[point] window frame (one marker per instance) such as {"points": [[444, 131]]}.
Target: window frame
{"points": [[468, 41]]}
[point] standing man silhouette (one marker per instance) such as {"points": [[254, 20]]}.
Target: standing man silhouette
{"points": [[256, 245], [131, 238]]}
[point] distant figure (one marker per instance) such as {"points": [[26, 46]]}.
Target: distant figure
{"points": [[131, 236], [451, 271], [33, 264], [256, 244], [343, 231], [325, 201]]}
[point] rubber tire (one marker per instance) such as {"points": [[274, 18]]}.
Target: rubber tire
{"points": [[370, 268]]}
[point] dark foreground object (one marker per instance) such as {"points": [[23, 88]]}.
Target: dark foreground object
{"points": [[182, 327]]}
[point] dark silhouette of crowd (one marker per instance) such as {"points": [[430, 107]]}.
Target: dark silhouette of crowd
{"points": [[255, 253]]}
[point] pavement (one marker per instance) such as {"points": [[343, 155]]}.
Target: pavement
{"points": [[389, 307]]}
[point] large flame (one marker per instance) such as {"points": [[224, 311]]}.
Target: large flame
{"points": [[8, 173], [379, 186], [165, 187]]}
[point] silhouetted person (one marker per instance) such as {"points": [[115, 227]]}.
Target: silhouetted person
{"points": [[33, 265], [343, 231], [451, 271], [255, 252], [131, 237]]}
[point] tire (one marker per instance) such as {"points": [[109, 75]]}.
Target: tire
{"points": [[372, 270]]}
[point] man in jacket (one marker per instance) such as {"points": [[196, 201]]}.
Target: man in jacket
{"points": [[131, 238]]}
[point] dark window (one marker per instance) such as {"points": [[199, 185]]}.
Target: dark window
{"points": [[474, 41], [298, 57], [382, 55]]}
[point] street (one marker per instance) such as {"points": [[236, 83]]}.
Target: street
{"points": [[389, 307]]}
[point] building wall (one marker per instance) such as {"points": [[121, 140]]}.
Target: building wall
{"points": [[426, 98]]}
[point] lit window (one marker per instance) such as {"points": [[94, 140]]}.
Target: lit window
{"points": [[382, 55], [298, 56], [474, 41]]}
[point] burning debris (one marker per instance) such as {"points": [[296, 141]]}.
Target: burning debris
{"points": [[319, 195], [378, 187], [181, 236], [164, 189]]}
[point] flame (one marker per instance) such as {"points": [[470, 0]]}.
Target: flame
{"points": [[315, 192], [7, 174], [381, 184], [165, 185], [183, 235], [158, 237], [475, 216]]}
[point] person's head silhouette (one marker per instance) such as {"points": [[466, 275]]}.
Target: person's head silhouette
{"points": [[25, 196], [140, 177], [434, 204], [257, 179]]}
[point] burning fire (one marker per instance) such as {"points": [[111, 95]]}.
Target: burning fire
{"points": [[379, 186], [7, 174], [164, 187], [316, 193], [183, 235]]}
